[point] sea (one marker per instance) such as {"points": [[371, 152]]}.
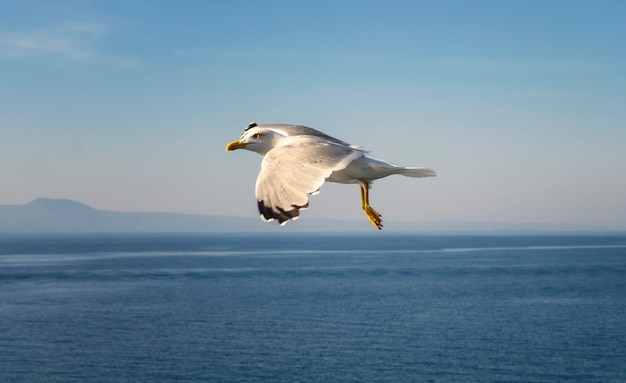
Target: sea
{"points": [[370, 307]]}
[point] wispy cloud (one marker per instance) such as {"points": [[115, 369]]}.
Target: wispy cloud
{"points": [[36, 44], [87, 28], [513, 65], [73, 41], [545, 93]]}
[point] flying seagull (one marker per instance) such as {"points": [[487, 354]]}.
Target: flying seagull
{"points": [[297, 160]]}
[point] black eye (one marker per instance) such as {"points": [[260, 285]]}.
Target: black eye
{"points": [[256, 135]]}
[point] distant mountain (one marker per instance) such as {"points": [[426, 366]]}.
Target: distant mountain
{"points": [[45, 215]]}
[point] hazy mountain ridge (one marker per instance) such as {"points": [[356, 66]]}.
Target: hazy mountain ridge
{"points": [[45, 215]]}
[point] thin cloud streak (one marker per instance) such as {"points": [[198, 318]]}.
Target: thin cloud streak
{"points": [[545, 93], [36, 45], [512, 65], [73, 41], [88, 28]]}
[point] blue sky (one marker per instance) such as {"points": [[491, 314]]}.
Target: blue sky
{"points": [[518, 105]]}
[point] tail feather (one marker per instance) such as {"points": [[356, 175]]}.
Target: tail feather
{"points": [[417, 172]]}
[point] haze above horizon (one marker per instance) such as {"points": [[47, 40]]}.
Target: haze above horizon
{"points": [[127, 106]]}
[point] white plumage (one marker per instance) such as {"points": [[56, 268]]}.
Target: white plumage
{"points": [[297, 160]]}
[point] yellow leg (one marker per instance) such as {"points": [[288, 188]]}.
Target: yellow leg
{"points": [[370, 212]]}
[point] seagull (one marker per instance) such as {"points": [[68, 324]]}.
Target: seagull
{"points": [[297, 160]]}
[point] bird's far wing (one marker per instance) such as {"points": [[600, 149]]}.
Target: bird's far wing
{"points": [[290, 172]]}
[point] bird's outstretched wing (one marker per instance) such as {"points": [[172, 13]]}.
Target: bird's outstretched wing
{"points": [[292, 171]]}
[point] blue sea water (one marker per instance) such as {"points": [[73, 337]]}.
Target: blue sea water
{"points": [[312, 308]]}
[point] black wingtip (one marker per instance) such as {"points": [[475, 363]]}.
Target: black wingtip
{"points": [[251, 125], [269, 214]]}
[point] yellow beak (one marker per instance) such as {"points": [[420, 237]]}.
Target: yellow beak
{"points": [[235, 145]]}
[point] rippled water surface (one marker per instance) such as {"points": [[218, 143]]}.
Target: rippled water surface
{"points": [[312, 308]]}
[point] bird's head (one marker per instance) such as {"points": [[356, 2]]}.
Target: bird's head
{"points": [[257, 139]]}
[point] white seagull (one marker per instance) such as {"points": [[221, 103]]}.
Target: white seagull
{"points": [[297, 160]]}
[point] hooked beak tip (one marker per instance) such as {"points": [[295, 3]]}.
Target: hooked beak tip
{"points": [[235, 145]]}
